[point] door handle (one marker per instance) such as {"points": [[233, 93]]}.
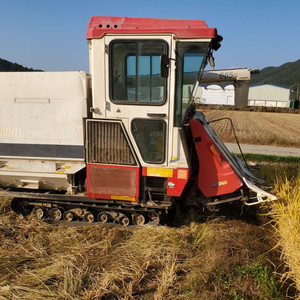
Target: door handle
{"points": [[153, 115]]}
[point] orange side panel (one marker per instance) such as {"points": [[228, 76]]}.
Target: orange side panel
{"points": [[177, 183], [114, 182], [216, 177]]}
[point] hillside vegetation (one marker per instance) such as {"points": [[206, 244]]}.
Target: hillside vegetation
{"points": [[7, 66], [287, 74]]}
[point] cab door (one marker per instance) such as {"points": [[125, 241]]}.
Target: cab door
{"points": [[138, 94]]}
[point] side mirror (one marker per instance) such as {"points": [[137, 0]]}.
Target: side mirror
{"points": [[164, 66], [211, 60]]}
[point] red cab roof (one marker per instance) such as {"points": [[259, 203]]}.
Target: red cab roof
{"points": [[182, 29]]}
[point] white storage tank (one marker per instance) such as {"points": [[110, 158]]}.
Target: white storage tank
{"points": [[41, 127]]}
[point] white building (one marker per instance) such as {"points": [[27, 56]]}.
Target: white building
{"points": [[269, 95]]}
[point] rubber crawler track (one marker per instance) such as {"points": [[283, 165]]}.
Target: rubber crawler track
{"points": [[56, 211]]}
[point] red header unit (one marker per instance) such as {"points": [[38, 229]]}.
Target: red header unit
{"points": [[182, 29]]}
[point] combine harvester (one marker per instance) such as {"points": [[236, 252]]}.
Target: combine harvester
{"points": [[123, 144]]}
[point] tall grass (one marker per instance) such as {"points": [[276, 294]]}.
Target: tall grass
{"points": [[286, 213]]}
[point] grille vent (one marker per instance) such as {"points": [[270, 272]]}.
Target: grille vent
{"points": [[107, 144]]}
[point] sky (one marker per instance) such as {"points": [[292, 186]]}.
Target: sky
{"points": [[50, 35]]}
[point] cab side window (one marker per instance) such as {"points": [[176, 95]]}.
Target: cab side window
{"points": [[135, 72], [150, 138]]}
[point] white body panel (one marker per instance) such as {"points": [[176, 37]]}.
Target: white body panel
{"points": [[215, 94], [41, 127], [42, 107]]}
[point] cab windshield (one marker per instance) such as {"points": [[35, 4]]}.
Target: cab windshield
{"points": [[191, 58]]}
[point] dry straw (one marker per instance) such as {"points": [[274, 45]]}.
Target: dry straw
{"points": [[208, 260], [286, 213]]}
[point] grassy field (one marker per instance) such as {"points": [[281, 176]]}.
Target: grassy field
{"points": [[262, 128]]}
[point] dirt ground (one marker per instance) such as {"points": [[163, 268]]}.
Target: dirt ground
{"points": [[261, 128]]}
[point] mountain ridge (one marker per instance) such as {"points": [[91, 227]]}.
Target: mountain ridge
{"points": [[288, 74], [7, 66]]}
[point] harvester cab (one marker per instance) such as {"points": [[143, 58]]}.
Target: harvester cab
{"points": [[146, 74]]}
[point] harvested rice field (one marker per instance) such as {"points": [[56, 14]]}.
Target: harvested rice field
{"points": [[261, 128]]}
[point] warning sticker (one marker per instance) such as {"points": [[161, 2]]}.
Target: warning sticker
{"points": [[219, 183]]}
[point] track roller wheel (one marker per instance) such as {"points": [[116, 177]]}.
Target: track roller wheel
{"points": [[38, 213], [55, 214], [124, 221], [89, 217], [68, 216], [102, 217], [138, 219], [17, 207], [154, 218]]}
